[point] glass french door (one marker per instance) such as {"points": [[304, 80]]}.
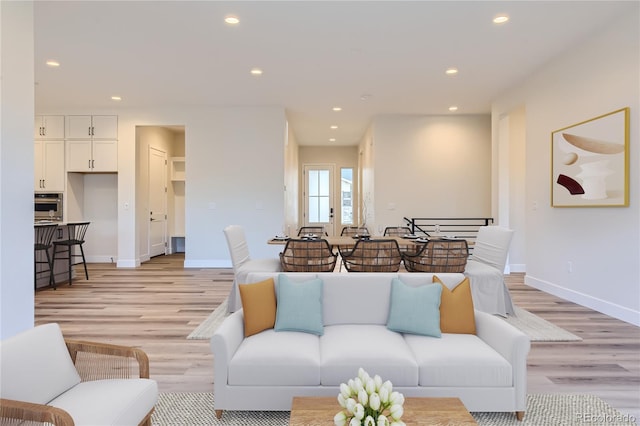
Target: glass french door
{"points": [[318, 196]]}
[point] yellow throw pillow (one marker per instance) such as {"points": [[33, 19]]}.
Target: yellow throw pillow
{"points": [[456, 308], [258, 306]]}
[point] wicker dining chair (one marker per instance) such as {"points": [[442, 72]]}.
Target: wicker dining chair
{"points": [[352, 231], [438, 256], [317, 230], [308, 256], [396, 231], [372, 256]]}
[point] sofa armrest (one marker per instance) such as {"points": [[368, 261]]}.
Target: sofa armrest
{"points": [[512, 344], [20, 410], [113, 361], [224, 343]]}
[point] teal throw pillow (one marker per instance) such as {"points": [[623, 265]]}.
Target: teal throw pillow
{"points": [[299, 306], [415, 310]]}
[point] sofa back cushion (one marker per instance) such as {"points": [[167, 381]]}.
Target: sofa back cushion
{"points": [[36, 366]]}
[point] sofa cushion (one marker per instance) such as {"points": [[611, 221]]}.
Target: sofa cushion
{"points": [[36, 365], [459, 360], [271, 358], [109, 402], [345, 348], [456, 308], [299, 306], [368, 289], [258, 306], [415, 309]]}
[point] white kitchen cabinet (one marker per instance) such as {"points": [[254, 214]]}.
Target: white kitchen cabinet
{"points": [[92, 155], [92, 127], [49, 166], [48, 127]]}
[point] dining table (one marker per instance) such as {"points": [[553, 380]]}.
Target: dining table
{"points": [[350, 241]]}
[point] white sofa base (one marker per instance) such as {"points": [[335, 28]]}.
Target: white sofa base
{"points": [[505, 345]]}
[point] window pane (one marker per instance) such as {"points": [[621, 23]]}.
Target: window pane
{"points": [[346, 190], [323, 183], [313, 183], [313, 210], [323, 209]]}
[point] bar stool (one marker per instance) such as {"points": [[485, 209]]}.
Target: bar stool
{"points": [[75, 237], [43, 237]]}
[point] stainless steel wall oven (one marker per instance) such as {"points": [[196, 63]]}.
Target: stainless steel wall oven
{"points": [[48, 206]]}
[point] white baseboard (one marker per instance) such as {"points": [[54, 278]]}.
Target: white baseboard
{"points": [[603, 306], [207, 263], [100, 259], [517, 267], [128, 263]]}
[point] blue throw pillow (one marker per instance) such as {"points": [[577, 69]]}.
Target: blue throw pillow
{"points": [[415, 310], [299, 306]]}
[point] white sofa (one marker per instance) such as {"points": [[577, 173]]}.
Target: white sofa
{"points": [[487, 371]]}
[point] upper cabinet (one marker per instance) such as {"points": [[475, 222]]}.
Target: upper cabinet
{"points": [[48, 127], [92, 143], [92, 127]]}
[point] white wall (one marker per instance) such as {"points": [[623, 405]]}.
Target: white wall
{"points": [[291, 184], [431, 166], [603, 244], [16, 167]]}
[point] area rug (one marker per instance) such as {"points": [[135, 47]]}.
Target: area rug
{"points": [[205, 330], [538, 329], [196, 409]]}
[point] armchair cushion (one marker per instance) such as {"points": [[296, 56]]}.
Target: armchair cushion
{"points": [[109, 402], [36, 366]]}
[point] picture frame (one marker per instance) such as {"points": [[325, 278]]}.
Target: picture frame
{"points": [[590, 162]]}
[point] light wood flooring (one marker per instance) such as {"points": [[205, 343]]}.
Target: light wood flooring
{"points": [[156, 306]]}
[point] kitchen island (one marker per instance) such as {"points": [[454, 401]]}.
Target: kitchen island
{"points": [[60, 268]]}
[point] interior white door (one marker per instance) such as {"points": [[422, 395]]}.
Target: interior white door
{"points": [[318, 196], [157, 202]]}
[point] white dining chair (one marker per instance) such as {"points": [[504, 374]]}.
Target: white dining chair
{"points": [[485, 269], [243, 263]]}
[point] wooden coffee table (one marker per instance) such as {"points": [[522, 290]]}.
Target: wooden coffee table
{"points": [[311, 410]]}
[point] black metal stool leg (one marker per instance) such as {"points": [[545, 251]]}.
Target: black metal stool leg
{"points": [[84, 262], [52, 278]]}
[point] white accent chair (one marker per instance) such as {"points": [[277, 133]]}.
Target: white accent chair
{"points": [[49, 379], [485, 269], [243, 264]]}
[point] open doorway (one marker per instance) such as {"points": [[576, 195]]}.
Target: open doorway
{"points": [[160, 190]]}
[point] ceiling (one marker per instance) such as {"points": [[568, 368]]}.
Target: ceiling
{"points": [[371, 58]]}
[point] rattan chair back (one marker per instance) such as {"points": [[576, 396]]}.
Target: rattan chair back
{"points": [[439, 256], [316, 230], [351, 231], [373, 256], [397, 231], [308, 256]]}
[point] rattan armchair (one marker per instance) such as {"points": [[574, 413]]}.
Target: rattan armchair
{"points": [[308, 256], [352, 231], [316, 230], [372, 256], [438, 256], [93, 362], [397, 231]]}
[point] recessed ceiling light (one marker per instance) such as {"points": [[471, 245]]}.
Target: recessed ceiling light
{"points": [[451, 71], [116, 98], [52, 63], [453, 108], [337, 108], [231, 20], [334, 127], [332, 140], [500, 19], [256, 71]]}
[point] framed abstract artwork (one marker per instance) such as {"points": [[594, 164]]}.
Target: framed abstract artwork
{"points": [[590, 162]]}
